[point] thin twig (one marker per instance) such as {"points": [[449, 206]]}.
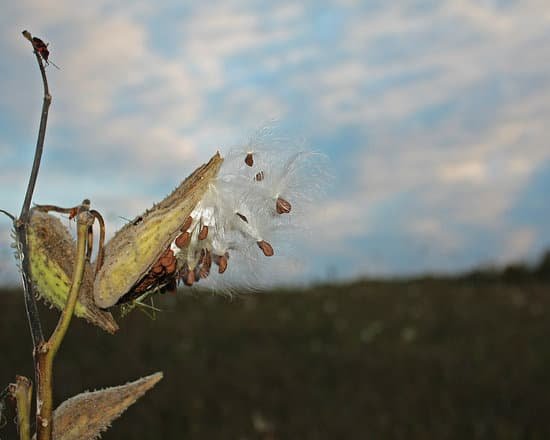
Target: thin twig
{"points": [[101, 244], [23, 221], [47, 352], [41, 135], [8, 214]]}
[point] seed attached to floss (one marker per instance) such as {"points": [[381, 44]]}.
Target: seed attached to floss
{"points": [[206, 264], [221, 261], [182, 274], [266, 248], [171, 268], [157, 269], [167, 258], [203, 232], [249, 159], [242, 217], [183, 240], [187, 224], [259, 176], [283, 206], [190, 278]]}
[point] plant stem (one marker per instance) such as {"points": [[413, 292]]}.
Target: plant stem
{"points": [[23, 221], [47, 351], [40, 141], [22, 392]]}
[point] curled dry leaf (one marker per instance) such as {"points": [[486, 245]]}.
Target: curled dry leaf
{"points": [[85, 416], [52, 252]]}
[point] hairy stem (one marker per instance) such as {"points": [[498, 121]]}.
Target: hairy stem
{"points": [[47, 351]]}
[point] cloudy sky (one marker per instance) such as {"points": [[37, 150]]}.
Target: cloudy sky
{"points": [[434, 115]]}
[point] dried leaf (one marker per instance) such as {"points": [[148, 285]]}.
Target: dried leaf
{"points": [[85, 416]]}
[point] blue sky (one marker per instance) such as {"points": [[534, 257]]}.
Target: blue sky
{"points": [[435, 117]]}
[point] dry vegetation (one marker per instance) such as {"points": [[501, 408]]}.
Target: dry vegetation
{"points": [[424, 359]]}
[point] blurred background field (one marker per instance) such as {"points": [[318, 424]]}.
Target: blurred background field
{"points": [[447, 358]]}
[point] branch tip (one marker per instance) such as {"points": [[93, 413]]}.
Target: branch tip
{"points": [[11, 216]]}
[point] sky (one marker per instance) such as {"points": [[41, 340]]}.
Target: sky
{"points": [[434, 116]]}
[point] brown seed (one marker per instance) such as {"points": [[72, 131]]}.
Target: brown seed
{"points": [[167, 258], [167, 261], [207, 261], [157, 269], [183, 240], [242, 217], [249, 159], [190, 278], [283, 206], [183, 272], [187, 224], [221, 261], [171, 268], [259, 176], [204, 272], [203, 232], [266, 248]]}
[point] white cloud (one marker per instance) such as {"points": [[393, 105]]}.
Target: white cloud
{"points": [[451, 100], [471, 171]]}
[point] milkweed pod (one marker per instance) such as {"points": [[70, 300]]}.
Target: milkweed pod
{"points": [[52, 254], [135, 248]]}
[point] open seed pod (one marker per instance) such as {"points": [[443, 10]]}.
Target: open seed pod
{"points": [[52, 253], [222, 210], [138, 256]]}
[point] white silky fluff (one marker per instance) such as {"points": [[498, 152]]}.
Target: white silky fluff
{"points": [[289, 171]]}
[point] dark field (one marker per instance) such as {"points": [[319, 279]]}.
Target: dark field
{"points": [[410, 360]]}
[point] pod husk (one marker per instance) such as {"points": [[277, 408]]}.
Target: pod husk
{"points": [[138, 245], [52, 253], [87, 415]]}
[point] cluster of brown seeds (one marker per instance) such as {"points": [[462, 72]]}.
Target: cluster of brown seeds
{"points": [[160, 273], [166, 271]]}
